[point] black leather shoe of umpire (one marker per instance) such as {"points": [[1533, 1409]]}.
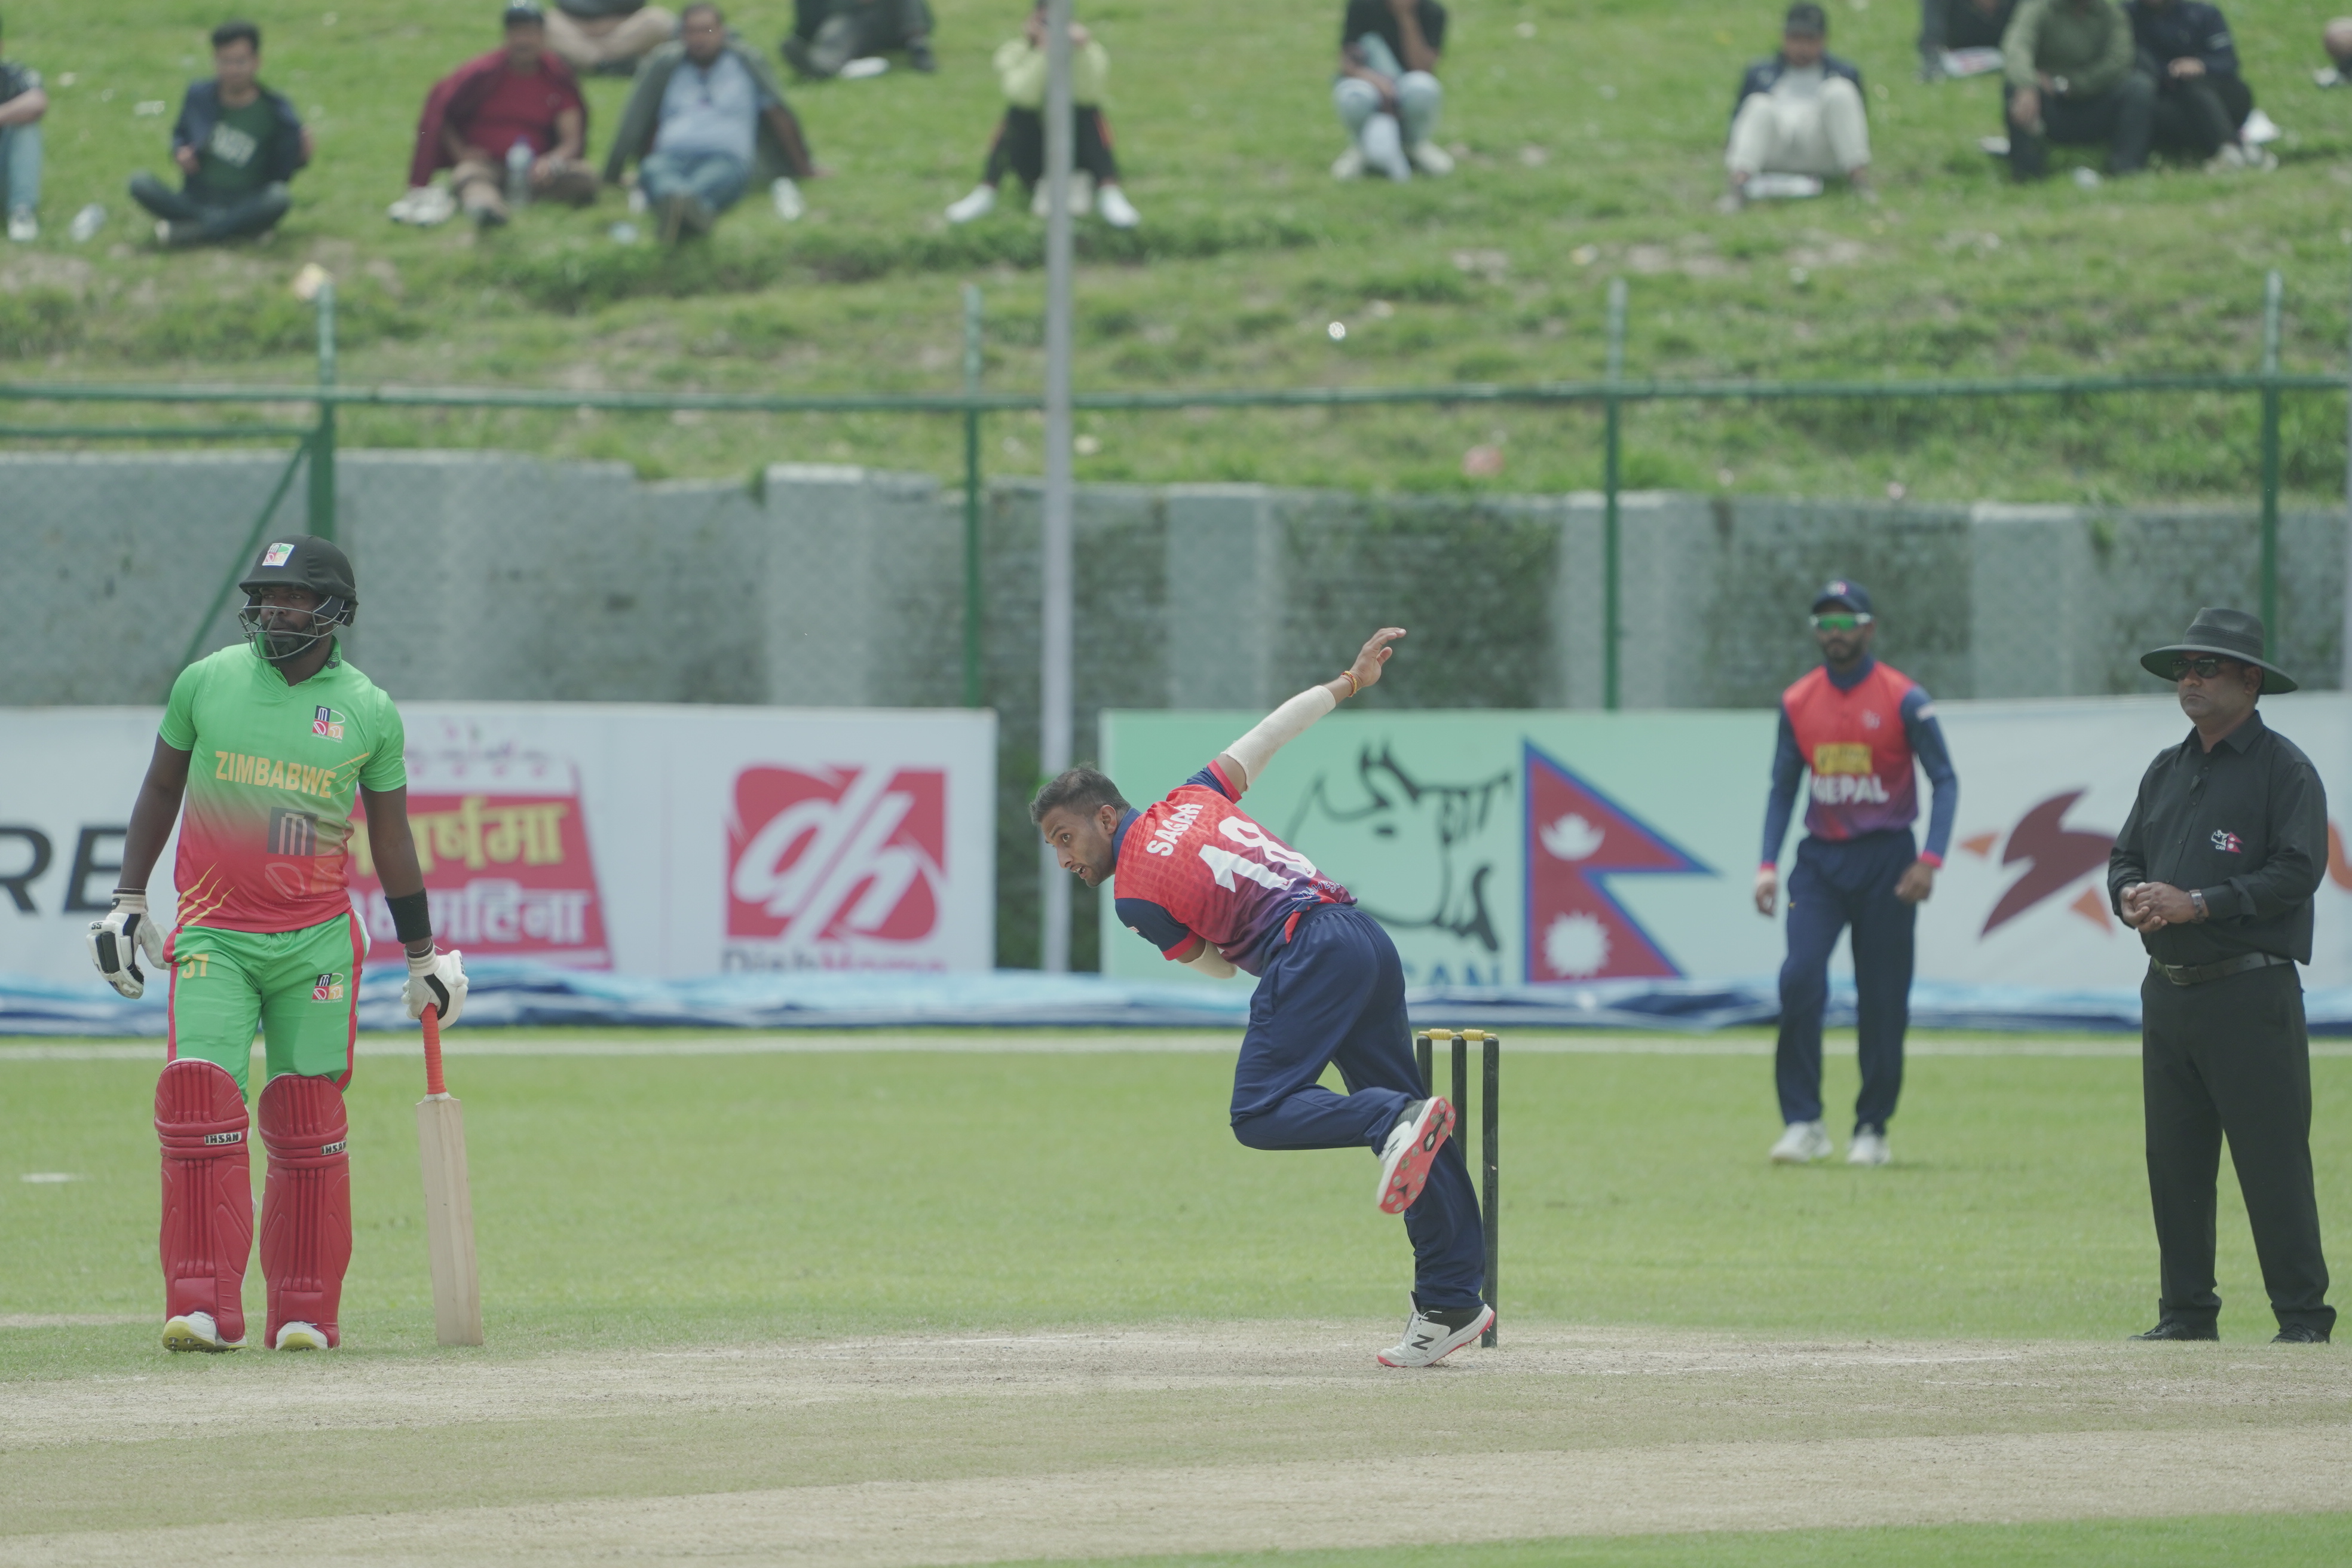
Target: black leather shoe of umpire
{"points": [[2181, 1328], [2299, 1334]]}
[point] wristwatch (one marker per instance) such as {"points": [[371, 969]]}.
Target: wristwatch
{"points": [[2197, 902]]}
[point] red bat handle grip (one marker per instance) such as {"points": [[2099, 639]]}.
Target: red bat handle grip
{"points": [[431, 1021]]}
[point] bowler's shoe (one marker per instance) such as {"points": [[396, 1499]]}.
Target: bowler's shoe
{"points": [[2299, 1334], [2181, 1328]]}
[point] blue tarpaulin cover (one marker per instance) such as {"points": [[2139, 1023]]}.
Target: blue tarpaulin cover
{"points": [[508, 993]]}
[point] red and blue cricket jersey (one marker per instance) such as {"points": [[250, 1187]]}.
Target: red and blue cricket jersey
{"points": [[1194, 869], [1858, 736]]}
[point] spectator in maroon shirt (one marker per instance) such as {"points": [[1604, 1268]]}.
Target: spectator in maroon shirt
{"points": [[515, 112]]}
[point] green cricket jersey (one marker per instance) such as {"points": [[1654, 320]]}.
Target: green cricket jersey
{"points": [[273, 774]]}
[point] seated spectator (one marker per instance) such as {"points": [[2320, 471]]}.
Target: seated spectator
{"points": [[1387, 94], [828, 34], [1798, 112], [1955, 25], [2069, 78], [2336, 39], [608, 37], [1020, 145], [704, 118], [22, 104], [2201, 101], [521, 96], [237, 143]]}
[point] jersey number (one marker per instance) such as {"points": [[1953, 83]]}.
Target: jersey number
{"points": [[1224, 865]]}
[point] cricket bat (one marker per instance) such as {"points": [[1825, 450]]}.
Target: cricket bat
{"points": [[448, 1201]]}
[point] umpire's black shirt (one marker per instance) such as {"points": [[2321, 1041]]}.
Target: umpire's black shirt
{"points": [[2245, 824]]}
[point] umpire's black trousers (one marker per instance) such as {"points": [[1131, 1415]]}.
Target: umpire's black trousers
{"points": [[2230, 1057]]}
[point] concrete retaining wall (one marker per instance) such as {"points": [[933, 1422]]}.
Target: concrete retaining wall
{"points": [[499, 576]]}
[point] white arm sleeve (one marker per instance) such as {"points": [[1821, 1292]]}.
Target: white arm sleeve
{"points": [[1278, 729], [1212, 963]]}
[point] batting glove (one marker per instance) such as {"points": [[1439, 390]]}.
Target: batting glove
{"points": [[437, 981], [116, 942]]}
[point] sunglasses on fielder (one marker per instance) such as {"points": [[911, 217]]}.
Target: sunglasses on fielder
{"points": [[1839, 623], [2205, 667]]}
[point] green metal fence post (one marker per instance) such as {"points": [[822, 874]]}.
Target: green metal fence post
{"points": [[2274, 292], [1612, 542], [322, 438], [971, 584]]}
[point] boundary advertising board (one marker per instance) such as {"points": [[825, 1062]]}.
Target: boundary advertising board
{"points": [[660, 841], [1516, 849]]}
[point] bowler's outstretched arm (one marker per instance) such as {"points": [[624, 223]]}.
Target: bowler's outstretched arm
{"points": [[1246, 758]]}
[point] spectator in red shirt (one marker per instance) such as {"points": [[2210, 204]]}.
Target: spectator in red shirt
{"points": [[513, 114]]}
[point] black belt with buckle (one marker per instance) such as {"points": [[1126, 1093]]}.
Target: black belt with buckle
{"points": [[2198, 973]]}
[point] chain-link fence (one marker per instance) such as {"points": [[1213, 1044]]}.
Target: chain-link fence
{"points": [[498, 574]]}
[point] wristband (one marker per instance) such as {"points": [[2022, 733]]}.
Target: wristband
{"points": [[1353, 685], [410, 920]]}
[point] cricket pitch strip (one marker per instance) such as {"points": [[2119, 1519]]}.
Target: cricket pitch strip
{"points": [[1192, 1438]]}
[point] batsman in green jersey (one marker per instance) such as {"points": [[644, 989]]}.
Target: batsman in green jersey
{"points": [[269, 742]]}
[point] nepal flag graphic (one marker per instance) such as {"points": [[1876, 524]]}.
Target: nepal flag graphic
{"points": [[1577, 838]]}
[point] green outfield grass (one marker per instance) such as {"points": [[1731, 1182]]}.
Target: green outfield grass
{"points": [[637, 1201], [2264, 1540], [1590, 132]]}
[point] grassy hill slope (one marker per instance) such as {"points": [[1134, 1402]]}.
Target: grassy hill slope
{"points": [[1591, 135]]}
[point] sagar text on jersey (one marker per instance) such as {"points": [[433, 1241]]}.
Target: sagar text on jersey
{"points": [[1193, 866]]}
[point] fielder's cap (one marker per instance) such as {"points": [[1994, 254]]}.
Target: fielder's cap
{"points": [[2233, 633], [306, 561], [522, 11], [1838, 591]]}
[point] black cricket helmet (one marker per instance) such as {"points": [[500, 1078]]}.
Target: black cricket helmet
{"points": [[297, 560]]}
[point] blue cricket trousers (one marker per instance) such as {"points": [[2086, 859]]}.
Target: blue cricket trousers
{"points": [[1837, 884], [1334, 994]]}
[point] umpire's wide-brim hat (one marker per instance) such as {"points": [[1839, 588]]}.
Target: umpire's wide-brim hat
{"points": [[2233, 633]]}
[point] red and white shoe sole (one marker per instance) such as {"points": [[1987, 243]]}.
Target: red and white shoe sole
{"points": [[1402, 1185], [1461, 1338]]}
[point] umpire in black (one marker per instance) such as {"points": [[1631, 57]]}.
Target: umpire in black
{"points": [[2215, 867]]}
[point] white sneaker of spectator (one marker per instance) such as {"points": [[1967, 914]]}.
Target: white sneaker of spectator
{"points": [[786, 196], [22, 226], [424, 205], [1430, 158], [1116, 209], [639, 202], [1349, 164], [1082, 194], [978, 205]]}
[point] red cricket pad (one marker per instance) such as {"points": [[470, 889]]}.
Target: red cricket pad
{"points": [[207, 1231], [306, 1203]]}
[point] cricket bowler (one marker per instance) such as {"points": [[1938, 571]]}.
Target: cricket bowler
{"points": [[1208, 887], [269, 740]]}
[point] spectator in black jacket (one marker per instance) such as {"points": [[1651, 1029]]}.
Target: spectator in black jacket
{"points": [[2201, 101], [1958, 25], [237, 142], [1798, 112]]}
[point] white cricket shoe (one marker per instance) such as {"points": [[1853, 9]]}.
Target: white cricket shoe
{"points": [[979, 204], [301, 1337], [1430, 158], [1349, 164], [1116, 209], [196, 1332], [1412, 1149], [1802, 1144], [1867, 1149], [1430, 1338]]}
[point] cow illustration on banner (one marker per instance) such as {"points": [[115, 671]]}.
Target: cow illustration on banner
{"points": [[835, 867], [503, 842]]}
